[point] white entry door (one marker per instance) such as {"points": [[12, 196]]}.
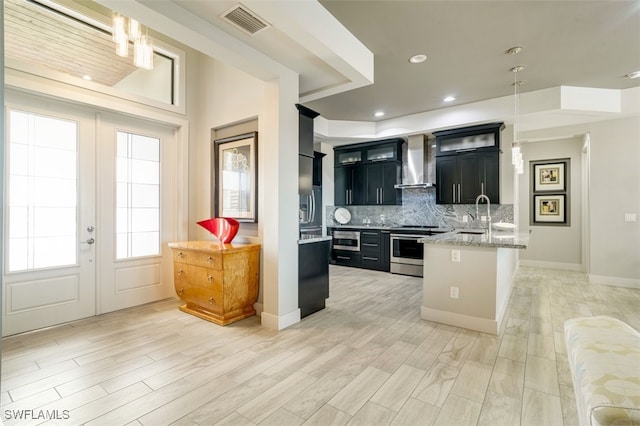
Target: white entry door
{"points": [[90, 207], [136, 210], [49, 214]]}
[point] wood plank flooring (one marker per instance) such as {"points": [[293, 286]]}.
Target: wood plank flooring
{"points": [[367, 359]]}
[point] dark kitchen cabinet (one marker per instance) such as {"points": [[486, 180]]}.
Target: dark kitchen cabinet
{"points": [[483, 137], [317, 168], [365, 174], [461, 178], [313, 276], [345, 258], [380, 179], [348, 186], [372, 250]]}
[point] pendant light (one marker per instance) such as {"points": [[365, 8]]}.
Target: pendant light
{"points": [[516, 153], [125, 30]]}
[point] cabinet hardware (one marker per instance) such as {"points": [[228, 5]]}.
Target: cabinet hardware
{"points": [[458, 193], [180, 272], [181, 291], [209, 259], [209, 278], [180, 254], [482, 188], [369, 244], [454, 193], [343, 257], [467, 150], [381, 195], [369, 258], [211, 300], [369, 233]]}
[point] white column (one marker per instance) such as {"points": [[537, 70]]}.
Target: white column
{"points": [[278, 148]]}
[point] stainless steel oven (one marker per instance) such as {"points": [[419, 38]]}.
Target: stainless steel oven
{"points": [[407, 254], [346, 240]]}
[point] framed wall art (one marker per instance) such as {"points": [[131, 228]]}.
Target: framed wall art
{"points": [[549, 208], [550, 189], [549, 177], [235, 177]]}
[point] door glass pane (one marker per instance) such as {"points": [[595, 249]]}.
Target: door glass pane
{"points": [[137, 195], [42, 192]]}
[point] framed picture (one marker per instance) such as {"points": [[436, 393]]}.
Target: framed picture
{"points": [[549, 177], [549, 209], [235, 177]]}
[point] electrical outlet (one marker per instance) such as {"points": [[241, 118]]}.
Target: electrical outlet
{"points": [[465, 218], [453, 292], [483, 218], [629, 217], [455, 255]]}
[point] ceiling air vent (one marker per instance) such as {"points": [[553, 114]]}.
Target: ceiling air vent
{"points": [[244, 19]]}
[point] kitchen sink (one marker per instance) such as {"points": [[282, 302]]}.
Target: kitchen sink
{"points": [[471, 231]]}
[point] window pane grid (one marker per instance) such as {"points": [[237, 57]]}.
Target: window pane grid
{"points": [[137, 196], [42, 192]]}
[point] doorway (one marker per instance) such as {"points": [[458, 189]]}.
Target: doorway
{"points": [[89, 209]]}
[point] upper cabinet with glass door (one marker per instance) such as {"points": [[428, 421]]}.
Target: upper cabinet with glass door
{"points": [[485, 137], [369, 152]]}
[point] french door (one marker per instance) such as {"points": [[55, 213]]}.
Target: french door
{"points": [[89, 208]]}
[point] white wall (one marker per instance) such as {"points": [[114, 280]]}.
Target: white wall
{"points": [[614, 191], [551, 245]]}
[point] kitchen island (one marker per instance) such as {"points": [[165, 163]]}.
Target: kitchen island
{"points": [[468, 276]]}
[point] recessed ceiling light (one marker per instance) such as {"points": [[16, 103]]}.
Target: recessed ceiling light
{"points": [[514, 50], [87, 77], [634, 74], [416, 59], [379, 114], [449, 99]]}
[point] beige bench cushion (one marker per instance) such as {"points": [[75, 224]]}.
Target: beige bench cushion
{"points": [[604, 356]]}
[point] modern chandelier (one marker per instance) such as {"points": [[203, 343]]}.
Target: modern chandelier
{"points": [[126, 30]]}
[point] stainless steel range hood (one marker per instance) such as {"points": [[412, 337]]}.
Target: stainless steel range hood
{"points": [[414, 168]]}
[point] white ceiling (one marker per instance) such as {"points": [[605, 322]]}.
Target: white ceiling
{"points": [[338, 48], [572, 43]]}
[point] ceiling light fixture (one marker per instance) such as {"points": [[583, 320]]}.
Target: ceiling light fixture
{"points": [[634, 74], [379, 114], [125, 30], [514, 50], [449, 99], [516, 153], [417, 59]]}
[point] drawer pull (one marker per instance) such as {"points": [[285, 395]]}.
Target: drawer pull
{"points": [[180, 254], [210, 278], [209, 259], [180, 272], [211, 300], [181, 292], [369, 258], [343, 257], [370, 244]]}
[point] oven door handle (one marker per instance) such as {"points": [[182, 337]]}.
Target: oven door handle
{"points": [[407, 237]]}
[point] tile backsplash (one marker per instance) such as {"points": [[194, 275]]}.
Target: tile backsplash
{"points": [[419, 208]]}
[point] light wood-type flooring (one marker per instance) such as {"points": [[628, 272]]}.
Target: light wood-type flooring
{"points": [[367, 359]]}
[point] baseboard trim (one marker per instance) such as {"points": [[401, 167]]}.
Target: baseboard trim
{"points": [[615, 281], [577, 267], [275, 322], [483, 325]]}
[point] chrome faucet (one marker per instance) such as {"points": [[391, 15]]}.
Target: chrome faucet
{"points": [[478, 198]]}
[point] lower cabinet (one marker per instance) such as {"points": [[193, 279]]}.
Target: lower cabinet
{"points": [[374, 252], [313, 276]]}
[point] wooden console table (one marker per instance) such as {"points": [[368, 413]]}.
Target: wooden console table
{"points": [[218, 282]]}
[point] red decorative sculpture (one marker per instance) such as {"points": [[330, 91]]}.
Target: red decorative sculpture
{"points": [[224, 228]]}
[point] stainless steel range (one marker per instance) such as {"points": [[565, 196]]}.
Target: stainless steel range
{"points": [[407, 254]]}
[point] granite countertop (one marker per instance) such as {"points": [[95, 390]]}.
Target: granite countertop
{"points": [[308, 239], [492, 238]]}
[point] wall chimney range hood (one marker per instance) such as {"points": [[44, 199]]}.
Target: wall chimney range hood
{"points": [[415, 169]]}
